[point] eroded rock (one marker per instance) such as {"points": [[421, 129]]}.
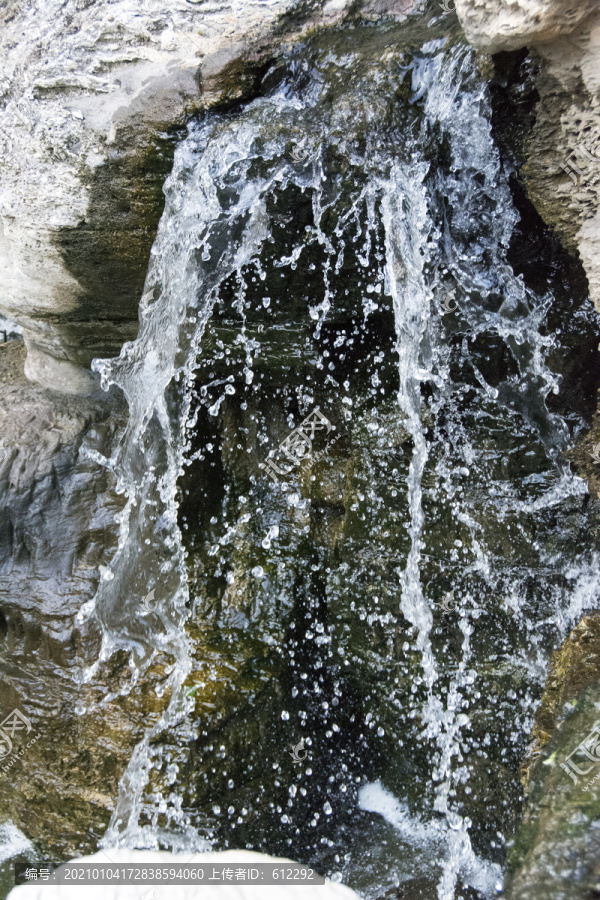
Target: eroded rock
{"points": [[574, 666], [57, 527], [495, 25], [562, 168], [556, 851], [93, 100]]}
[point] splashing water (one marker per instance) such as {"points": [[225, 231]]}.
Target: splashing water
{"points": [[305, 251]]}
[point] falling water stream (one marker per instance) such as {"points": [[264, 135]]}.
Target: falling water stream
{"points": [[356, 624]]}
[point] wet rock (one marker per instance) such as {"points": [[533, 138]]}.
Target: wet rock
{"points": [[93, 100], [557, 847], [562, 168], [574, 666], [57, 526], [58, 507]]}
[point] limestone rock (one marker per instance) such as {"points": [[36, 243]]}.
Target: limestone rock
{"points": [[562, 170], [93, 99], [495, 25]]}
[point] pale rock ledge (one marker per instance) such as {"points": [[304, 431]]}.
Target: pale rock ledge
{"points": [[94, 96]]}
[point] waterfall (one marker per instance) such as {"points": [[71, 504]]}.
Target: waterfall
{"points": [[426, 221], [154, 372]]}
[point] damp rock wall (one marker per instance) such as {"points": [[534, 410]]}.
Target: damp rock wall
{"points": [[561, 171], [93, 99]]}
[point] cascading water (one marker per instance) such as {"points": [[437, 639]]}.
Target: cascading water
{"points": [[385, 603]]}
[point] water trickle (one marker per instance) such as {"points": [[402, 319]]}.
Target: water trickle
{"points": [[343, 480]]}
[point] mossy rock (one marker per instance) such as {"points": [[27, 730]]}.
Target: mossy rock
{"points": [[556, 853], [574, 666]]}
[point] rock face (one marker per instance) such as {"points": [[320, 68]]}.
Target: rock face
{"points": [[57, 506], [574, 667], [562, 170], [495, 25], [557, 848], [57, 509], [93, 99]]}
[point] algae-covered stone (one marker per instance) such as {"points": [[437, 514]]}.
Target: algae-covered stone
{"points": [[557, 848]]}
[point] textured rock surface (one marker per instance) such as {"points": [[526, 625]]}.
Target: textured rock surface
{"points": [[93, 98], [495, 25], [562, 173], [574, 666], [57, 511], [57, 507], [557, 847], [562, 170]]}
